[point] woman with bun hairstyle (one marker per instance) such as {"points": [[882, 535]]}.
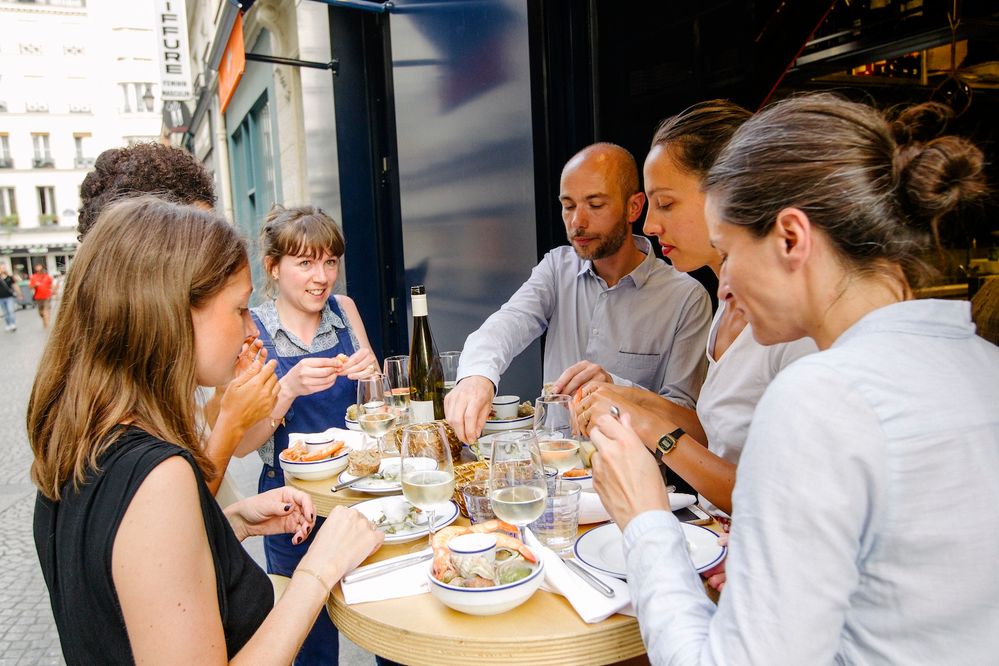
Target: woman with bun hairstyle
{"points": [[844, 545], [321, 349], [141, 563]]}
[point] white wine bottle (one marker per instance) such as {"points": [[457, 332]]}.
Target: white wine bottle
{"points": [[426, 375]]}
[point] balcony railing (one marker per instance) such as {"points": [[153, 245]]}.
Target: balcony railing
{"points": [[83, 162], [48, 220], [6, 162], [43, 162]]}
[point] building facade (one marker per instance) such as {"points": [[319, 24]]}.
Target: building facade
{"points": [[76, 77]]}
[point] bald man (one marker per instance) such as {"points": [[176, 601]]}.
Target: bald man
{"points": [[612, 310]]}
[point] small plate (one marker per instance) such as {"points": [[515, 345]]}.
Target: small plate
{"points": [[372, 509], [380, 486], [602, 549], [499, 425]]}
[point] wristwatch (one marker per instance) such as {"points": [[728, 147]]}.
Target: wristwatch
{"points": [[668, 441]]}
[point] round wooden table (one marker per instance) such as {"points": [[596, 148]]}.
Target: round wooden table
{"points": [[322, 495], [544, 630]]}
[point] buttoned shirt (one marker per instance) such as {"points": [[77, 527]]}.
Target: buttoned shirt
{"points": [[864, 511], [648, 330], [286, 343]]}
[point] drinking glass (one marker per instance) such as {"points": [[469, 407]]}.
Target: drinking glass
{"points": [[449, 362], [557, 433], [397, 374], [517, 487], [373, 413], [427, 472]]}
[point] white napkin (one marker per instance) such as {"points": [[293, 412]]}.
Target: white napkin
{"points": [[352, 440], [591, 509], [408, 581], [589, 604]]}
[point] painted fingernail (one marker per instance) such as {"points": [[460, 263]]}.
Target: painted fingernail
{"points": [[287, 507]]}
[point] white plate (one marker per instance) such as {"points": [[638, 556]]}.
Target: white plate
{"points": [[602, 549], [499, 425], [379, 486], [447, 513]]}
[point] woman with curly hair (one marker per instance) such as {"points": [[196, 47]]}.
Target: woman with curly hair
{"points": [[145, 168]]}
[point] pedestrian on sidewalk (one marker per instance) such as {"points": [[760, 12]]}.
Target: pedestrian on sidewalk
{"points": [[9, 293], [41, 283]]}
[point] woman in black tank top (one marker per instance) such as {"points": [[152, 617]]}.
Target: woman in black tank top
{"points": [[139, 560]]}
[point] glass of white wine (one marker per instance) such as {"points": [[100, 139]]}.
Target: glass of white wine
{"points": [[427, 471], [449, 363], [517, 487], [555, 428], [397, 374], [374, 415]]}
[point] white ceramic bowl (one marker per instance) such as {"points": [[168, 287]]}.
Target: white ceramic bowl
{"points": [[585, 481], [352, 425], [316, 471], [486, 600], [506, 406]]}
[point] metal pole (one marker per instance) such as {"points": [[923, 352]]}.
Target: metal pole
{"points": [[277, 60]]}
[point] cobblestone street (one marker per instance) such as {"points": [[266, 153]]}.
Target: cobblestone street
{"points": [[27, 631]]}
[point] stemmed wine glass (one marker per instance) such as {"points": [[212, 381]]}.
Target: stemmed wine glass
{"points": [[397, 373], [517, 487], [449, 363], [427, 471], [556, 430], [373, 413]]}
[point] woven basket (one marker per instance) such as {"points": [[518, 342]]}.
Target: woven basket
{"points": [[466, 473], [453, 443]]}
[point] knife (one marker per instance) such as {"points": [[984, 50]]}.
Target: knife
{"points": [[597, 584], [372, 570], [348, 484]]}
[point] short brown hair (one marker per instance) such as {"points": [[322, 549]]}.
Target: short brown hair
{"points": [[302, 230], [839, 162], [122, 347], [144, 168]]}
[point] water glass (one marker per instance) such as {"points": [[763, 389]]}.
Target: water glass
{"points": [[557, 432], [449, 363], [557, 526], [476, 496], [397, 374]]}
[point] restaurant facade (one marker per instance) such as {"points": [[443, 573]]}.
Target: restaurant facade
{"points": [[434, 131]]}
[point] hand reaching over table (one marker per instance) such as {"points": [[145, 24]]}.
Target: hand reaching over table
{"points": [[625, 476], [578, 375], [467, 406]]}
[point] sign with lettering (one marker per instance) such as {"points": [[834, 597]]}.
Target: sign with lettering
{"points": [[173, 51]]}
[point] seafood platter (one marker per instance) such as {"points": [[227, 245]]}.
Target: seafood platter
{"points": [[483, 569]]}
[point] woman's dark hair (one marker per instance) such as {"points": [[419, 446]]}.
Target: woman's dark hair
{"points": [[697, 134], [145, 168], [839, 162]]}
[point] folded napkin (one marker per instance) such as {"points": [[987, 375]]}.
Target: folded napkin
{"points": [[352, 440], [591, 509], [589, 604], [407, 581]]}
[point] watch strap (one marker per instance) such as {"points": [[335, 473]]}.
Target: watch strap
{"points": [[668, 441]]}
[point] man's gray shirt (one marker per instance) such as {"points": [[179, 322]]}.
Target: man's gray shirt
{"points": [[650, 329]]}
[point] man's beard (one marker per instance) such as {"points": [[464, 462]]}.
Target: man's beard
{"points": [[601, 249]]}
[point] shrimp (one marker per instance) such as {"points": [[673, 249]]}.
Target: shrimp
{"points": [[443, 567]]}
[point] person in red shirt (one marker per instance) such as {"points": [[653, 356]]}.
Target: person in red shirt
{"points": [[41, 282]]}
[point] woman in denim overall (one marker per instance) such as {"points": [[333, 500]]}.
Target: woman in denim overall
{"points": [[308, 331]]}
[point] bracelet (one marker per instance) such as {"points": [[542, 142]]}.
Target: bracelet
{"points": [[312, 573]]}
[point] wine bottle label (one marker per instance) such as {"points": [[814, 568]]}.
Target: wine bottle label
{"points": [[421, 411], [419, 305]]}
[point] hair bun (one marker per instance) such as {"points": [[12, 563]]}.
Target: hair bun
{"points": [[941, 175], [920, 123]]}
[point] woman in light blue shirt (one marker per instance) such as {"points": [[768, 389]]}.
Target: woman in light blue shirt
{"points": [[844, 545]]}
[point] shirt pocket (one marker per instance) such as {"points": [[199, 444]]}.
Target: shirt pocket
{"points": [[639, 367]]}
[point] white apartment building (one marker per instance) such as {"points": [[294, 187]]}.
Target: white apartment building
{"points": [[76, 77]]}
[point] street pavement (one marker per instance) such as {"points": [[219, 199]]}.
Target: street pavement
{"points": [[27, 630]]}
